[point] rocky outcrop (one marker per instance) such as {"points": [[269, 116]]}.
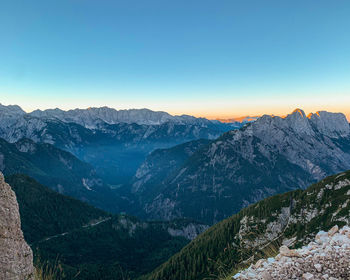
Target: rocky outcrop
{"points": [[190, 231], [16, 257], [328, 257]]}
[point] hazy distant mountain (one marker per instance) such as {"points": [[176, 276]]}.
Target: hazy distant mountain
{"points": [[244, 119], [59, 170], [163, 162], [92, 117], [114, 142], [158, 166], [268, 156]]}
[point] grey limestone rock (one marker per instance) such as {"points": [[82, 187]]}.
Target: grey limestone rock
{"points": [[16, 257]]}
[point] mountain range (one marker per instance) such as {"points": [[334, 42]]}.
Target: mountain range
{"points": [[114, 142], [265, 157], [92, 117]]}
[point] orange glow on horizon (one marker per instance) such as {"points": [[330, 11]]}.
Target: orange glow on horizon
{"points": [[228, 117], [211, 109]]}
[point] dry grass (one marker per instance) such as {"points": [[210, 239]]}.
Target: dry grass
{"points": [[48, 271]]}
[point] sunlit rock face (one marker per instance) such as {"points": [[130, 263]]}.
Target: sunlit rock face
{"points": [[16, 257], [330, 124]]}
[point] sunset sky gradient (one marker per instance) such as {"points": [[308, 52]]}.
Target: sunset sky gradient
{"points": [[217, 59]]}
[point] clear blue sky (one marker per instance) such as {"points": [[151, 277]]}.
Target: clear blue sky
{"points": [[210, 58]]}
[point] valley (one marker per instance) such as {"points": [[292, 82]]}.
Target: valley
{"points": [[174, 140], [92, 243]]}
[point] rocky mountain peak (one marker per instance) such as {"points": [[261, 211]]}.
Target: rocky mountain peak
{"points": [[299, 112], [312, 135], [330, 124], [299, 122], [11, 110], [16, 257], [333, 125]]}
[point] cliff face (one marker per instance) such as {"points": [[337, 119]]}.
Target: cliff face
{"points": [[16, 257]]}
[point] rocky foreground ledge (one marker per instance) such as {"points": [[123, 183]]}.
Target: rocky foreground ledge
{"points": [[16, 257], [328, 257]]}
